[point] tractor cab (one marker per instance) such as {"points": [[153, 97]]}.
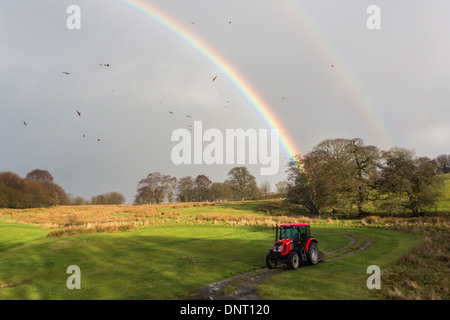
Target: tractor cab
{"points": [[296, 232], [293, 242], [291, 236]]}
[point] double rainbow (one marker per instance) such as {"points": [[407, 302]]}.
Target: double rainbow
{"points": [[238, 80]]}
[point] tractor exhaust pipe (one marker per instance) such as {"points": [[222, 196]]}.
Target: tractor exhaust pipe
{"points": [[276, 233]]}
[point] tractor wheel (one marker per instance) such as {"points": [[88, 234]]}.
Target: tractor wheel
{"points": [[293, 260], [313, 253], [271, 262]]}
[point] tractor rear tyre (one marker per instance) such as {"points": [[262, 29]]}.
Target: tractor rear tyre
{"points": [[293, 260], [313, 253], [271, 262]]}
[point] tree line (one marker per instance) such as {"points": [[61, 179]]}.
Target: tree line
{"points": [[336, 176], [344, 175], [38, 189], [240, 185]]}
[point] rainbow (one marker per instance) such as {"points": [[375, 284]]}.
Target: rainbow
{"points": [[262, 108], [351, 82], [225, 67]]}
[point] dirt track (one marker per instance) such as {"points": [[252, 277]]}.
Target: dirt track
{"points": [[247, 283]]}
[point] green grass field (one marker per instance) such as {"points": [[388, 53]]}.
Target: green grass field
{"points": [[166, 262], [343, 278], [172, 251]]}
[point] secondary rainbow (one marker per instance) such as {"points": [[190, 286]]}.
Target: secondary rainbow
{"points": [[352, 82], [226, 68]]}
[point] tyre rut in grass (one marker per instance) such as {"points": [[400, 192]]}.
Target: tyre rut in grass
{"points": [[244, 286]]}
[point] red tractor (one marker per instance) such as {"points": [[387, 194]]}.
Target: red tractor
{"points": [[296, 244]]}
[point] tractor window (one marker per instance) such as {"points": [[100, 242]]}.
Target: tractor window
{"points": [[289, 233], [303, 234]]}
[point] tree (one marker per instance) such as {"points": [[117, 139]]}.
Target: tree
{"points": [[201, 187], [337, 174], [443, 163], [58, 193], [77, 201], [154, 189], [171, 189], [242, 183], [364, 172], [185, 189], [265, 188], [300, 190], [11, 187], [52, 193], [39, 175], [282, 188], [220, 191], [409, 182], [16, 192], [108, 198]]}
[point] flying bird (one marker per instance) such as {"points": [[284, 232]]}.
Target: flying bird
{"points": [[24, 123], [171, 112], [104, 64], [98, 140], [84, 136], [214, 78], [188, 116], [66, 72], [332, 65], [79, 113]]}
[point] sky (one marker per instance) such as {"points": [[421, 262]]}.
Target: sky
{"points": [[319, 69]]}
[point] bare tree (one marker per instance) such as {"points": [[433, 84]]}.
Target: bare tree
{"points": [[201, 187], [282, 188], [172, 189], [153, 189], [265, 189], [443, 163], [39, 175], [185, 189]]}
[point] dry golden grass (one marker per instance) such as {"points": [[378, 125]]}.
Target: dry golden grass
{"points": [[422, 274], [248, 219], [70, 220]]}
